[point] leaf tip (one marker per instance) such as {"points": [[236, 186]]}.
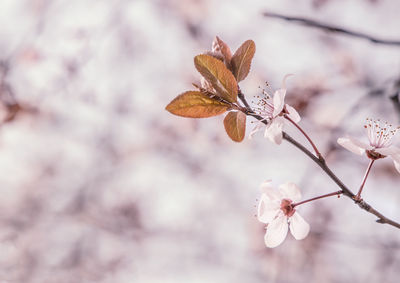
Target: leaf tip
{"points": [[241, 60]]}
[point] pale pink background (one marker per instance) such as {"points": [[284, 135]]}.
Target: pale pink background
{"points": [[100, 184]]}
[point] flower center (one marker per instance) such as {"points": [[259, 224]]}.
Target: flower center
{"points": [[287, 208], [374, 155], [380, 134], [265, 106]]}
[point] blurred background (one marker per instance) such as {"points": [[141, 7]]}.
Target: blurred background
{"points": [[98, 183]]}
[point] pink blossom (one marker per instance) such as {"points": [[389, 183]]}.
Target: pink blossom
{"points": [[380, 136], [272, 110], [275, 209]]}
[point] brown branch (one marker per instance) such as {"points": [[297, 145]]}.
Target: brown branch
{"points": [[243, 99], [331, 28], [322, 164]]}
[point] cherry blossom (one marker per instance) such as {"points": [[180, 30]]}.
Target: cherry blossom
{"points": [[380, 136], [273, 109], [277, 211]]}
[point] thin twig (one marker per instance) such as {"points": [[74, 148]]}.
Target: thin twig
{"points": [[338, 193], [317, 152], [331, 28], [358, 196], [322, 164]]}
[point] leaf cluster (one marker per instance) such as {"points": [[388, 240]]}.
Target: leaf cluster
{"points": [[221, 71]]}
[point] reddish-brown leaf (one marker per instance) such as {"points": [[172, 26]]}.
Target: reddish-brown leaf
{"points": [[215, 71], [235, 125], [195, 104], [221, 46], [241, 60]]}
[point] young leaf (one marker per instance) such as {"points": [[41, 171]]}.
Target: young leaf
{"points": [[241, 60], [221, 46], [218, 75], [195, 104], [235, 125]]}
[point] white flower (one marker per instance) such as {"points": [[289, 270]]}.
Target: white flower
{"points": [[380, 136], [275, 209], [272, 110]]}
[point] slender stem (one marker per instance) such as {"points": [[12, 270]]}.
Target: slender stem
{"points": [[243, 99], [358, 196], [319, 155], [319, 197], [322, 164]]}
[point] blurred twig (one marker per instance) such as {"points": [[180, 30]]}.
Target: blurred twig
{"points": [[395, 97], [331, 28], [7, 96]]}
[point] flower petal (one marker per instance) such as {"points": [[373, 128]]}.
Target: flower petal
{"points": [[298, 226], [396, 161], [397, 165], [276, 231], [270, 191], [255, 130], [396, 157], [274, 131], [279, 101], [353, 145], [293, 113], [279, 97], [290, 191], [267, 209], [360, 144], [390, 150]]}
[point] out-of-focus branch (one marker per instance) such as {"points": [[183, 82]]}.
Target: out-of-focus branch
{"points": [[396, 102], [395, 97], [322, 164], [331, 28]]}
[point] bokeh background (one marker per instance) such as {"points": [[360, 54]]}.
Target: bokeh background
{"points": [[98, 183]]}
